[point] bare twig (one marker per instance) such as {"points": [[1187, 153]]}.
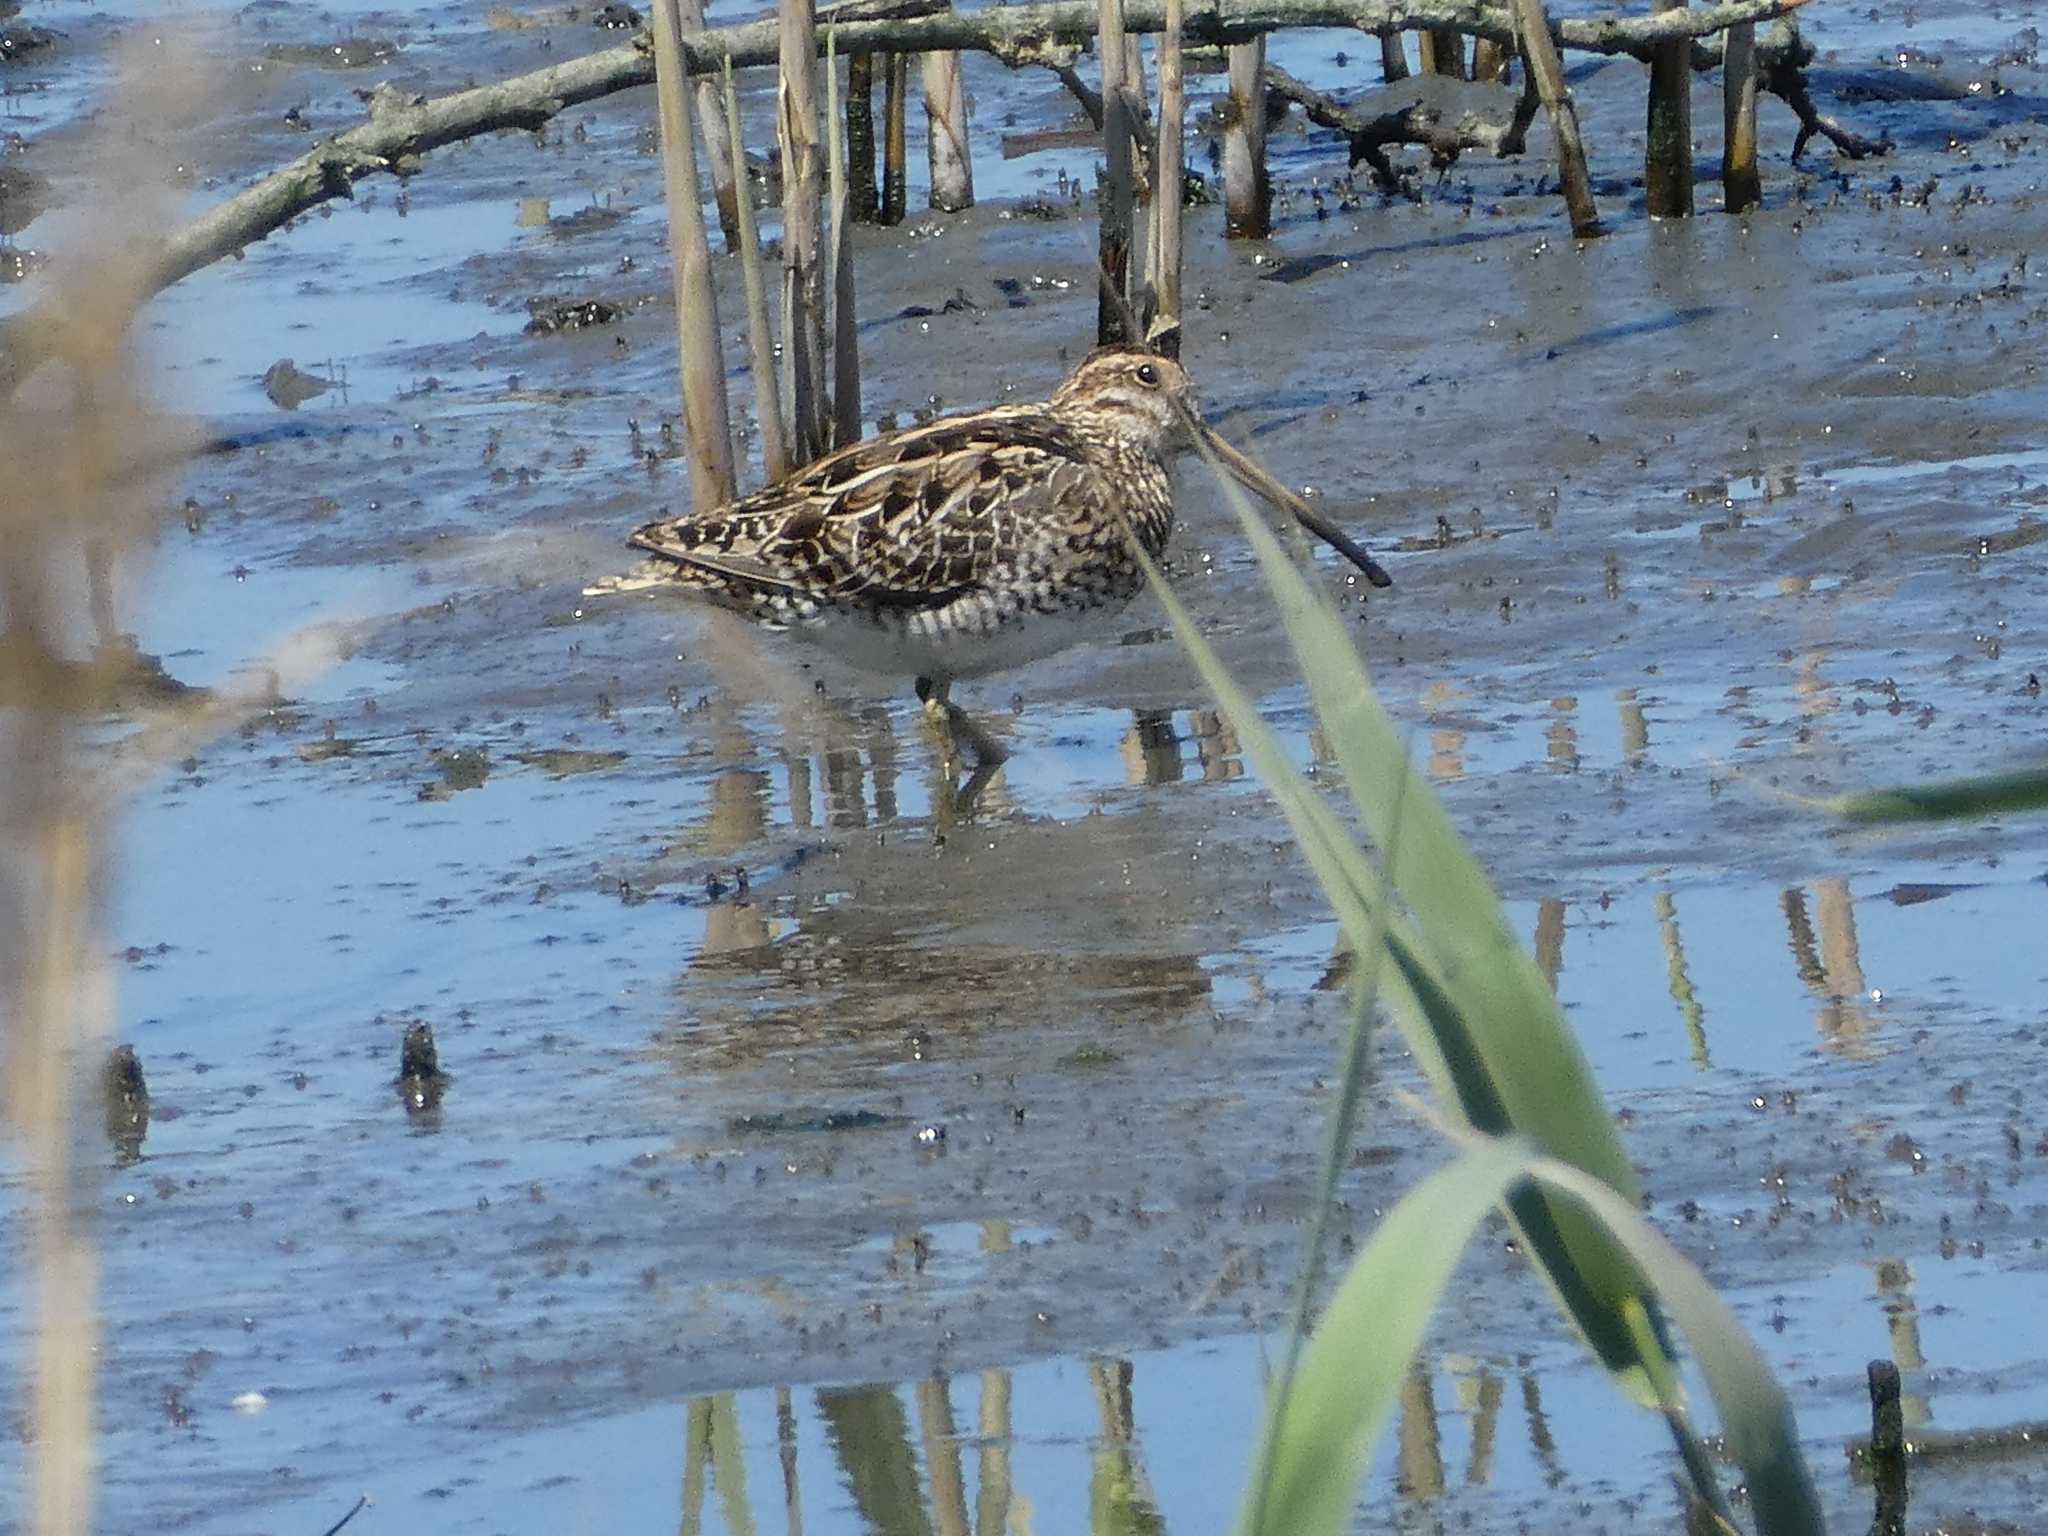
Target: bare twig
{"points": [[363, 1499]]}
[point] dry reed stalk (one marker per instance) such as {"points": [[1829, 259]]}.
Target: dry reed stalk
{"points": [[725, 188], [1134, 81], [1546, 75], [803, 277], [946, 151], [1169, 173], [1667, 154], [845, 341], [860, 137], [775, 462], [895, 155], [1740, 180], [1113, 308], [72, 496], [1247, 193], [707, 415]]}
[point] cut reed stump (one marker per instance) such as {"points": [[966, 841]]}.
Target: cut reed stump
{"points": [[1667, 153], [1393, 56], [1741, 185], [945, 106], [1443, 52], [845, 337], [860, 138], [1169, 177], [895, 153], [1887, 1449], [1546, 74], [1113, 311], [803, 276], [1247, 192], [707, 419]]}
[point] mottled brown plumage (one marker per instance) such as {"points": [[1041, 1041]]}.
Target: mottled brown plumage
{"points": [[958, 547], [969, 544]]}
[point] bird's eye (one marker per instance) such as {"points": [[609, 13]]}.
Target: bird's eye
{"points": [[1148, 375]]}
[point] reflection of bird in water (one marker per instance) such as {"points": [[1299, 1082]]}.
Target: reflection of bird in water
{"points": [[969, 544]]}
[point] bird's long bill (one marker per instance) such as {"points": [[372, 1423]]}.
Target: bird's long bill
{"points": [[1256, 480]]}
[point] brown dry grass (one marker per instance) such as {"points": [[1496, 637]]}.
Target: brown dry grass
{"points": [[78, 510]]}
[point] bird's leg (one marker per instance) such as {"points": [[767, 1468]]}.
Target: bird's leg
{"points": [[988, 752], [955, 728]]}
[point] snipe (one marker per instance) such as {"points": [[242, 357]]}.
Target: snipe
{"points": [[971, 543]]}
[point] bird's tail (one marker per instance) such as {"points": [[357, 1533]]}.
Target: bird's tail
{"points": [[648, 573]]}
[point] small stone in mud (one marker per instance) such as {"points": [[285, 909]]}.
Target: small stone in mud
{"points": [[615, 17], [125, 1099], [553, 317], [461, 768], [421, 1082], [290, 387]]}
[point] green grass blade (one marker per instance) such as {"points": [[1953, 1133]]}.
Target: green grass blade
{"points": [[1756, 1417], [1542, 1076], [1347, 877], [2025, 789], [1354, 1069], [1497, 1032], [1351, 1373]]}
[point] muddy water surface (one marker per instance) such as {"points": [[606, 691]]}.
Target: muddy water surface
{"points": [[817, 1149]]}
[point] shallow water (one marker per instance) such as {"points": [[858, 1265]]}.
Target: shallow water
{"points": [[777, 1075]]}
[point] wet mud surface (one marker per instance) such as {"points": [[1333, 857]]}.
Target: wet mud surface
{"points": [[763, 1069]]}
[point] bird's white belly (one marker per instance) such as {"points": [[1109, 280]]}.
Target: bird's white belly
{"points": [[923, 647]]}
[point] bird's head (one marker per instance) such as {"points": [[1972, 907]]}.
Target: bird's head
{"points": [[1143, 398]]}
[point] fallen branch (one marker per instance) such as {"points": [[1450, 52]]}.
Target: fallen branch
{"points": [[1419, 123], [1781, 60], [1784, 76], [401, 128]]}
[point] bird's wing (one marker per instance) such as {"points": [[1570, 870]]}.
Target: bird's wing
{"points": [[912, 518]]}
